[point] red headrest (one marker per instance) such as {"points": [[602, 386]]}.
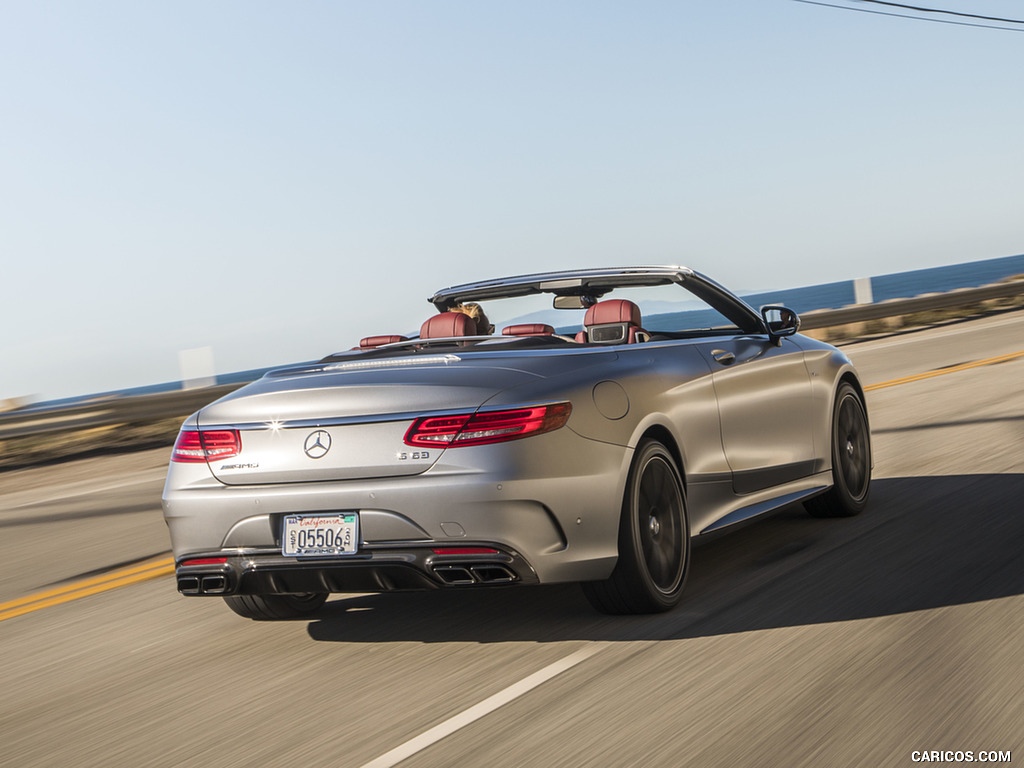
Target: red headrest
{"points": [[370, 342], [528, 329], [612, 311], [448, 324]]}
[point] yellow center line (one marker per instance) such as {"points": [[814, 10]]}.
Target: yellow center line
{"points": [[944, 371], [77, 589]]}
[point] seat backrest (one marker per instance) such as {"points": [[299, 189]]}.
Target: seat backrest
{"points": [[528, 329], [448, 324], [372, 342], [615, 321]]}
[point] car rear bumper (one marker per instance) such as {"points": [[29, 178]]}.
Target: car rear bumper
{"points": [[382, 570], [554, 499]]}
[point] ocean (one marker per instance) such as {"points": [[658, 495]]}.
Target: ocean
{"points": [[805, 299], [900, 285]]}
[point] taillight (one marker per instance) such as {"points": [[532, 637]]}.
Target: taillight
{"points": [[193, 446], [482, 428]]}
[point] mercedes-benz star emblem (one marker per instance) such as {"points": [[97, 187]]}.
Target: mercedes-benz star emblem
{"points": [[317, 444]]}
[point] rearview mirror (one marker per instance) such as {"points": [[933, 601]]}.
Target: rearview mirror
{"points": [[568, 302], [586, 301]]}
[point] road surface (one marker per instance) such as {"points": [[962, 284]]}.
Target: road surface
{"points": [[800, 641]]}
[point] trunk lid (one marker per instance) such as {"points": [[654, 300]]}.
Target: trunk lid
{"points": [[332, 422]]}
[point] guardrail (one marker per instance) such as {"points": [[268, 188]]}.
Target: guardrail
{"points": [[101, 413], [149, 408], [861, 313]]}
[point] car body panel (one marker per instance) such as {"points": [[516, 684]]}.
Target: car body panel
{"points": [[763, 390], [746, 415]]}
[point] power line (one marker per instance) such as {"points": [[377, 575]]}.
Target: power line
{"points": [[907, 16], [939, 10]]}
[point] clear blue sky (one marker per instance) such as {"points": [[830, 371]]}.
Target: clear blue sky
{"points": [[276, 180]]}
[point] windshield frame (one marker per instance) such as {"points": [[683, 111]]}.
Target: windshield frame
{"points": [[594, 283]]}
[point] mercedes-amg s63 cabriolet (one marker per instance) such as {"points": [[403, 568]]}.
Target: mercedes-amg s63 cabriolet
{"points": [[607, 418]]}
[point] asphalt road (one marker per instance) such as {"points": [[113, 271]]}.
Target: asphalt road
{"points": [[801, 641]]}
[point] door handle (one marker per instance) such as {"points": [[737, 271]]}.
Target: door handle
{"points": [[723, 356]]}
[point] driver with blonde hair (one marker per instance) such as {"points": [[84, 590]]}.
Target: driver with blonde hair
{"points": [[474, 310]]}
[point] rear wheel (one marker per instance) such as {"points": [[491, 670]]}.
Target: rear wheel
{"points": [[851, 459], [275, 607], [654, 539]]}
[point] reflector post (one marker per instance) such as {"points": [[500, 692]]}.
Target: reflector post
{"points": [[206, 561]]}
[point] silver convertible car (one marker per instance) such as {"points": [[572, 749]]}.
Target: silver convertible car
{"points": [[610, 417]]}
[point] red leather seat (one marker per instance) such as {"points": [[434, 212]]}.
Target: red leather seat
{"points": [[372, 342], [615, 321], [528, 329], [448, 324]]}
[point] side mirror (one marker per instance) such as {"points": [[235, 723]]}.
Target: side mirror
{"points": [[780, 321]]}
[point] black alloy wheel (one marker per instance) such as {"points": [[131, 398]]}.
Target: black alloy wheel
{"points": [[654, 539], [851, 459]]}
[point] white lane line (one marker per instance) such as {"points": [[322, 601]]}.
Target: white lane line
{"points": [[485, 707]]}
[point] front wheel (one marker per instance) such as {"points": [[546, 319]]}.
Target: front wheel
{"points": [[654, 539], [851, 459], [275, 607]]}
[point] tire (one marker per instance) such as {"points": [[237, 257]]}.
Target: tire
{"points": [[851, 459], [654, 539], [275, 607]]}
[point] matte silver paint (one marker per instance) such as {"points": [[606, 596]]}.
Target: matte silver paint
{"points": [[748, 416]]}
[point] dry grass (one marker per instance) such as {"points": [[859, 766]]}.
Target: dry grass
{"points": [[918, 319], [34, 450]]}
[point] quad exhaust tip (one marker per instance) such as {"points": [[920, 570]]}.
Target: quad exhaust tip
{"points": [[485, 573], [210, 584], [493, 574], [214, 585]]}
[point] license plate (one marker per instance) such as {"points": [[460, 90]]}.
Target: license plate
{"points": [[320, 535]]}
